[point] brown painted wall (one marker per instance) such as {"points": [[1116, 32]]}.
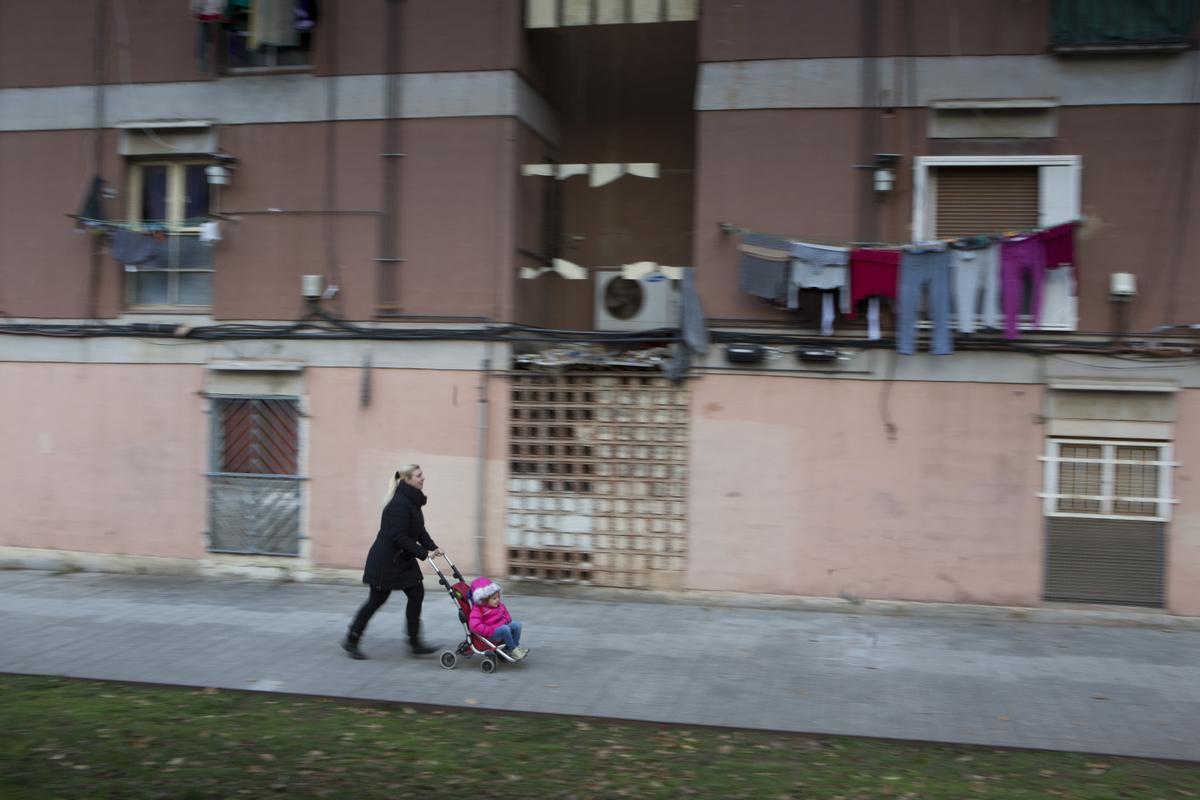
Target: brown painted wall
{"points": [[735, 30], [435, 36], [53, 42], [786, 172], [38, 49], [624, 93], [455, 203], [757, 170], [450, 215], [45, 265], [1132, 179]]}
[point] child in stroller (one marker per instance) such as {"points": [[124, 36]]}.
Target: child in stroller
{"points": [[476, 643], [490, 618]]}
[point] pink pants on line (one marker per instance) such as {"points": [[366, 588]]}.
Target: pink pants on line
{"points": [[1020, 259]]}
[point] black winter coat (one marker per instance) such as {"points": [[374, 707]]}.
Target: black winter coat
{"points": [[402, 539]]}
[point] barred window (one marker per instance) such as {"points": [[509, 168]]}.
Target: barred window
{"points": [[1118, 479]]}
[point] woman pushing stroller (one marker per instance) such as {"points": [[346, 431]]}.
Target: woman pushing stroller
{"points": [[392, 562]]}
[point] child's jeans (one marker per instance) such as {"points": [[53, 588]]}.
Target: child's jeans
{"points": [[509, 635]]}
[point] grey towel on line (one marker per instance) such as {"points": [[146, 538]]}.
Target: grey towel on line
{"points": [[133, 248]]}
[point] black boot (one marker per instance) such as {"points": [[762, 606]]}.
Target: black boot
{"points": [[350, 645], [420, 648]]}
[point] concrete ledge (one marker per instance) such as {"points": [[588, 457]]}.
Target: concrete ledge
{"points": [[1051, 614], [225, 567]]}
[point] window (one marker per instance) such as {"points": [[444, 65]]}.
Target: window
{"points": [[1090, 26], [967, 195], [1108, 479], [170, 200], [269, 34], [254, 486]]}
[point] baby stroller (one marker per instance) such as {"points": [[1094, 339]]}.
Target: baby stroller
{"points": [[473, 644]]}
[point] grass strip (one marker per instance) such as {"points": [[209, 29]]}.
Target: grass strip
{"points": [[91, 739]]}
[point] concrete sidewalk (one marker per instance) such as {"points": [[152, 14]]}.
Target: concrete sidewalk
{"points": [[1122, 690]]}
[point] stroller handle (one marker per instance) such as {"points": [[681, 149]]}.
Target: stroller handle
{"points": [[453, 569]]}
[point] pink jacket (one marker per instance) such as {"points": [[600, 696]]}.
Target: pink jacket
{"points": [[484, 619]]}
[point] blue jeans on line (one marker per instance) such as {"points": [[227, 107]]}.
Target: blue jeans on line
{"points": [[509, 635], [919, 269]]}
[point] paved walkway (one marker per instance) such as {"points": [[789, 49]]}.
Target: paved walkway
{"points": [[1123, 690]]}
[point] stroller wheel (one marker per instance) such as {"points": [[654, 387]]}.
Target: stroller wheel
{"points": [[448, 660], [488, 665]]}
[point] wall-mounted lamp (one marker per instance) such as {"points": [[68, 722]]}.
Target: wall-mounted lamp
{"points": [[884, 171], [217, 175], [884, 179]]}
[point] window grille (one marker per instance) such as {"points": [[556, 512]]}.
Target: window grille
{"points": [[1108, 479]]}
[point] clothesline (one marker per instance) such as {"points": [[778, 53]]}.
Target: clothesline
{"points": [[866, 245], [149, 226], [1000, 267]]}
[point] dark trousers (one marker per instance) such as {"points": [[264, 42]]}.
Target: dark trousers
{"points": [[415, 595]]}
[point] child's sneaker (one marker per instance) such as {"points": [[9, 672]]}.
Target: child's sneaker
{"points": [[520, 653]]}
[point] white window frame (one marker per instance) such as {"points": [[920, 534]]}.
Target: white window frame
{"points": [[1059, 182], [175, 225], [1108, 462]]}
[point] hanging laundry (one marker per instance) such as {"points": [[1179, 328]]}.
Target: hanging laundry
{"points": [[134, 249], [273, 22], [976, 265], [921, 266], [873, 274], [602, 174], [210, 232], [764, 268], [643, 170], [208, 10], [818, 266], [1058, 245], [1060, 304], [569, 170], [874, 333], [306, 15], [1022, 260]]}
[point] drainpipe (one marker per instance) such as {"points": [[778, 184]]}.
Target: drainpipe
{"points": [[387, 301], [868, 139], [481, 469], [100, 55]]}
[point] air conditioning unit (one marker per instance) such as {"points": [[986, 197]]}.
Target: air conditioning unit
{"points": [[635, 305]]}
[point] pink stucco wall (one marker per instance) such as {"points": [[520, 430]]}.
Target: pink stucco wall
{"points": [[429, 417], [1183, 534], [103, 458], [796, 488]]}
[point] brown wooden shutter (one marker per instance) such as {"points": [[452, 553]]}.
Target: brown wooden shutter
{"points": [[986, 200]]}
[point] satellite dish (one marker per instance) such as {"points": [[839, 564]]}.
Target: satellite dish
{"points": [[623, 298]]}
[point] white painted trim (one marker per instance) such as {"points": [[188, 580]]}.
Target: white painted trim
{"points": [[1108, 461], [213, 565], [1083, 384], [971, 105], [155, 124], [925, 187], [836, 82], [256, 366], [993, 161], [262, 99]]}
